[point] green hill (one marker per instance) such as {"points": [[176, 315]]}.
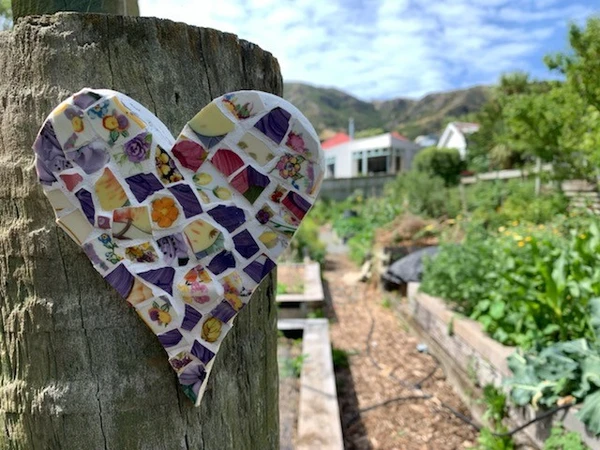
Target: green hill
{"points": [[329, 109]]}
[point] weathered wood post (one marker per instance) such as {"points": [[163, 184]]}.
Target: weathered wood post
{"points": [[22, 8], [78, 369]]}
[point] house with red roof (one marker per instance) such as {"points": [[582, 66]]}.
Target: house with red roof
{"points": [[387, 153]]}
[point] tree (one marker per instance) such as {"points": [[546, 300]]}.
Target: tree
{"points": [[22, 8], [78, 369], [445, 163], [5, 15]]}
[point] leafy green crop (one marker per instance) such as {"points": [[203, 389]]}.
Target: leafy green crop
{"points": [[562, 440]]}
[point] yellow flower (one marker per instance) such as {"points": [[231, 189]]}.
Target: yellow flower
{"points": [[541, 227], [515, 223], [110, 123], [429, 227], [164, 212], [77, 124], [211, 329], [516, 237], [528, 239], [202, 179], [451, 221], [222, 193], [582, 236], [521, 244], [501, 229]]}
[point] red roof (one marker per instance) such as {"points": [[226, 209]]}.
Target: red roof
{"points": [[397, 135], [339, 138]]}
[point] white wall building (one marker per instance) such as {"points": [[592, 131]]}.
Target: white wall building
{"points": [[454, 136], [387, 153]]}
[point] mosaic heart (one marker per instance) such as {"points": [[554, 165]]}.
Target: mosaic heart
{"points": [[183, 229]]}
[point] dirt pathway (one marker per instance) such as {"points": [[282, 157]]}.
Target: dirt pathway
{"points": [[383, 359]]}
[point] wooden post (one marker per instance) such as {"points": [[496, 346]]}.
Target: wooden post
{"points": [[78, 369], [22, 8], [538, 179]]}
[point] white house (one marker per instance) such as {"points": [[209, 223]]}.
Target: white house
{"points": [[455, 136], [386, 153]]}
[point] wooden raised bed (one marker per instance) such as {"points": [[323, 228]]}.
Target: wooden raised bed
{"points": [[472, 359]]}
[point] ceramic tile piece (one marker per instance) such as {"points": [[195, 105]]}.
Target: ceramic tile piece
{"points": [[76, 226], [227, 161], [274, 124], [113, 122], [202, 353], [278, 194], [245, 244], [221, 262], [296, 204], [143, 253], [250, 183], [243, 105], [121, 279], [196, 289], [71, 180], [49, 156], [87, 205], [58, 200], [158, 313], [131, 223], [143, 185], [164, 212], [300, 172], [91, 157], [191, 378], [174, 249], [109, 191], [191, 318], [300, 141], [135, 155], [187, 199], [210, 125], [259, 268], [73, 129], [103, 252], [183, 229], [190, 154], [256, 149], [211, 185], [170, 338], [86, 98], [229, 217], [203, 238], [166, 168], [162, 278], [139, 293]]}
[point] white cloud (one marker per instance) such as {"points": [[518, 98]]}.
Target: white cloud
{"points": [[386, 48]]}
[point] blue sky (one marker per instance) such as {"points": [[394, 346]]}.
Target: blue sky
{"points": [[381, 49]]}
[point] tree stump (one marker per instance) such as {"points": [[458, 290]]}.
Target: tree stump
{"points": [[78, 368]]}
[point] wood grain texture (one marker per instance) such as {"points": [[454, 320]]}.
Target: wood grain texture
{"points": [[78, 368], [22, 8]]}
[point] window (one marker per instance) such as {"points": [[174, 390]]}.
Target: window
{"points": [[331, 170], [377, 164]]}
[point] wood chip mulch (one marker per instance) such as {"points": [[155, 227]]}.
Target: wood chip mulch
{"points": [[384, 369]]}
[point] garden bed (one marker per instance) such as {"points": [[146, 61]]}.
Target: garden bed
{"points": [[303, 277], [308, 408], [471, 359]]}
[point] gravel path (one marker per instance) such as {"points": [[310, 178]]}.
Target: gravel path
{"points": [[383, 359]]}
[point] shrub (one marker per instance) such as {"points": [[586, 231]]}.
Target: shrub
{"points": [[306, 242], [424, 195], [444, 163], [527, 285]]}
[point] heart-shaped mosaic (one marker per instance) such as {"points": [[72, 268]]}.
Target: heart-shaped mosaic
{"points": [[183, 229]]}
